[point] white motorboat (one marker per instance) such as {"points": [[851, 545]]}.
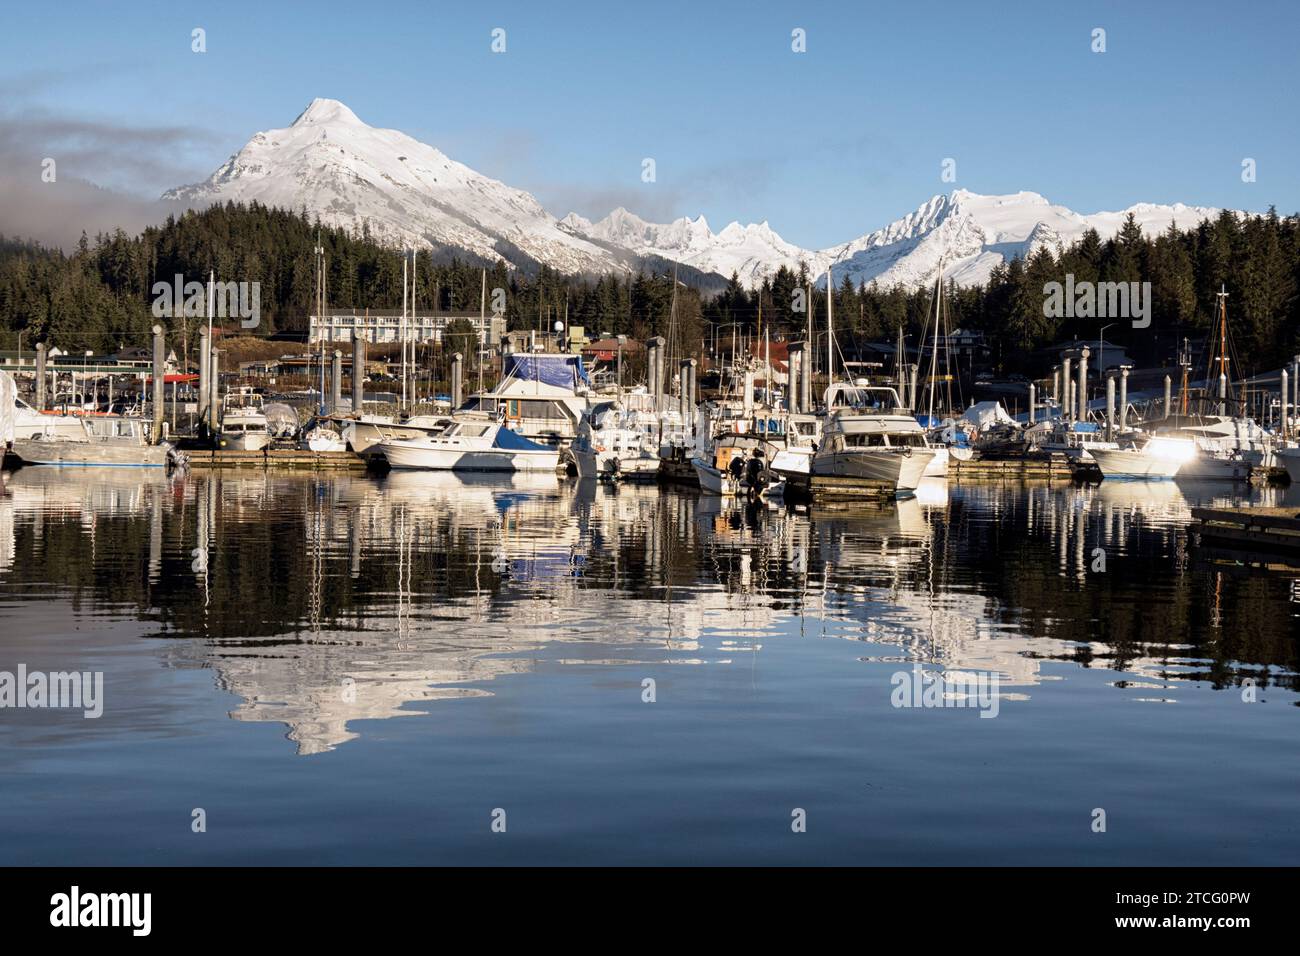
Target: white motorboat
{"points": [[619, 439], [870, 437], [541, 396], [243, 423], [469, 445], [1157, 458], [322, 438]]}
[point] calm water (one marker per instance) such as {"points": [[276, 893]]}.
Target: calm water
{"points": [[362, 670]]}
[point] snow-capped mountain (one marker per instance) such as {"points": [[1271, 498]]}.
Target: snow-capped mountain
{"points": [[408, 193], [752, 251], [971, 233]]}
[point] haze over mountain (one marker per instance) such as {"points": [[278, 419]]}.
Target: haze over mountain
{"points": [[406, 193]]}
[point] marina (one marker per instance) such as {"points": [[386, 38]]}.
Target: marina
{"points": [[562, 440]]}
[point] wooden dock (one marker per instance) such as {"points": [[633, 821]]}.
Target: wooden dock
{"points": [[1251, 529], [830, 487], [1049, 466], [287, 458]]}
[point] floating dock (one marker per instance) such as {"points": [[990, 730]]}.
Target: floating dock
{"points": [[1033, 465], [288, 458], [830, 487], [1252, 529]]}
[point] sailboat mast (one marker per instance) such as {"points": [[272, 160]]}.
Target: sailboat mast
{"points": [[934, 350], [830, 328], [402, 325]]}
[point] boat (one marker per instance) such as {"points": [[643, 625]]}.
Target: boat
{"points": [[467, 445], [106, 440], [718, 475], [619, 439], [243, 424], [1158, 457], [541, 396], [30, 423], [869, 437], [320, 436], [361, 432], [1289, 458]]}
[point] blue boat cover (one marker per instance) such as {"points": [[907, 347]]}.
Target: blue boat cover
{"points": [[928, 421], [562, 371], [513, 441]]}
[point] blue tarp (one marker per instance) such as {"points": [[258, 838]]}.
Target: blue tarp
{"points": [[562, 371], [513, 441]]}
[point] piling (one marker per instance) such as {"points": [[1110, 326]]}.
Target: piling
{"points": [[336, 383], [1285, 394], [1033, 403], [205, 388], [1123, 398], [911, 388], [457, 380], [1067, 388], [1083, 384], [40, 376], [158, 372], [1169, 394], [1110, 408], [214, 396], [358, 374], [794, 390]]}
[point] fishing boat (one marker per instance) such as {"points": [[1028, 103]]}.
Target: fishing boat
{"points": [[467, 445], [719, 474], [243, 423], [107, 440], [869, 436]]}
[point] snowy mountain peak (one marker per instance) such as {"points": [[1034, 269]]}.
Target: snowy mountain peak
{"points": [[323, 112]]}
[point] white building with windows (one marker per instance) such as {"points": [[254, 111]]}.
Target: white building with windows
{"points": [[387, 325]]}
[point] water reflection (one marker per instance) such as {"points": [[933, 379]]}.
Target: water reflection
{"points": [[323, 601]]}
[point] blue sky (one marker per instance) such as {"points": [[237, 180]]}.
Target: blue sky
{"points": [[825, 145]]}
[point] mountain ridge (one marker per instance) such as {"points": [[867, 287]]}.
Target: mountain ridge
{"points": [[408, 193]]}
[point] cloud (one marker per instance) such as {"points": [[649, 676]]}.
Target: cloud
{"points": [[106, 174]]}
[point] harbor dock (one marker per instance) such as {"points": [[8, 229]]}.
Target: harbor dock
{"points": [[1250, 529], [291, 458]]}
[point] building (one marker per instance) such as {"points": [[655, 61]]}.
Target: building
{"points": [[386, 325]]}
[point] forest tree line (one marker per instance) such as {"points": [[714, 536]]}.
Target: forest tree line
{"points": [[99, 296]]}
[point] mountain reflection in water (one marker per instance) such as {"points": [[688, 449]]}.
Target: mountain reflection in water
{"points": [[324, 601]]}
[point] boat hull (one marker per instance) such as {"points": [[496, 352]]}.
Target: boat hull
{"points": [[73, 453], [410, 455], [1289, 458], [1124, 463], [248, 442], [877, 466]]}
